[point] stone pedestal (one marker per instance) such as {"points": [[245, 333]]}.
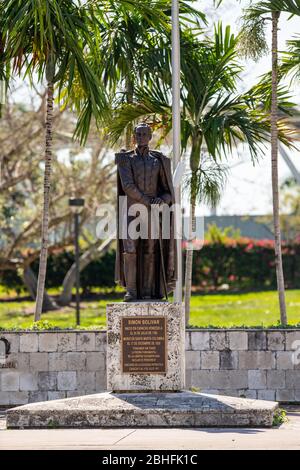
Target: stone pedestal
{"points": [[134, 410], [119, 376]]}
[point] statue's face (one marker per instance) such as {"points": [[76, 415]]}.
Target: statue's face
{"points": [[142, 136]]}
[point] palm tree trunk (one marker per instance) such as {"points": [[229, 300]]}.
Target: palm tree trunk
{"points": [[189, 263], [2, 89], [129, 99], [45, 217], [275, 184], [194, 164]]}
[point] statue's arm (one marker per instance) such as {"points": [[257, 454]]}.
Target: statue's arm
{"points": [[127, 181], [164, 193]]}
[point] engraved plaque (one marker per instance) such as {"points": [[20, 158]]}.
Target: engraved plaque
{"points": [[144, 345]]}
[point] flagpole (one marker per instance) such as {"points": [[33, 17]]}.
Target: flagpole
{"points": [[176, 128]]}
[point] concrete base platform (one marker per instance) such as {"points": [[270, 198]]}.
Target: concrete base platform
{"points": [[110, 410]]}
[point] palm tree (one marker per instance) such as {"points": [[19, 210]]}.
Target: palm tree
{"points": [[125, 35], [48, 38], [254, 44], [214, 118]]}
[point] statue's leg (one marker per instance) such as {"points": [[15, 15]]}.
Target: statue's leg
{"points": [[130, 260], [149, 268]]}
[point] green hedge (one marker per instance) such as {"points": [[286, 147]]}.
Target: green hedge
{"points": [[236, 264], [244, 265]]}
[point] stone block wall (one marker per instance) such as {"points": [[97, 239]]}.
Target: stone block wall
{"points": [[52, 365], [40, 366], [262, 364]]}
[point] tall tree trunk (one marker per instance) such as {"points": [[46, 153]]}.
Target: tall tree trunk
{"points": [[2, 87], [189, 263], [30, 281], [129, 99], [275, 184], [194, 164], [45, 216], [84, 260]]}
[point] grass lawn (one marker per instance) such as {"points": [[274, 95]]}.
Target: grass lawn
{"points": [[220, 310]]}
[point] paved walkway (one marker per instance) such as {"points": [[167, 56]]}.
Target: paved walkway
{"points": [[287, 436]]}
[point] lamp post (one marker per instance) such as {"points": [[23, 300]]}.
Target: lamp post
{"points": [[76, 204], [176, 130]]}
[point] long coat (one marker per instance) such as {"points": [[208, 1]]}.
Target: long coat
{"points": [[168, 245]]}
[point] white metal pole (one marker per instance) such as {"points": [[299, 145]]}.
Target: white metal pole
{"points": [[176, 127]]}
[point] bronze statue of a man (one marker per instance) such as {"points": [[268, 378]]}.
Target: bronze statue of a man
{"points": [[145, 266]]}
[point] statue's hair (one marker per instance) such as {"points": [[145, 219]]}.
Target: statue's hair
{"points": [[142, 124]]}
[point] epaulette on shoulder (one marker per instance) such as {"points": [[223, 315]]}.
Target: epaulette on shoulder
{"points": [[158, 154], [121, 158]]}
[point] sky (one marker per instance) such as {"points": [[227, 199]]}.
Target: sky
{"points": [[248, 189]]}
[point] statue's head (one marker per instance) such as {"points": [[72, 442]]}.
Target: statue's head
{"points": [[142, 134]]}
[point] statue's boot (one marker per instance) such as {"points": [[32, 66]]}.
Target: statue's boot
{"points": [[149, 266], [130, 276]]}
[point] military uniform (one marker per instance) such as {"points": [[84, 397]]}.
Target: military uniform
{"points": [[142, 178]]}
